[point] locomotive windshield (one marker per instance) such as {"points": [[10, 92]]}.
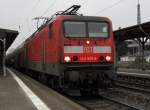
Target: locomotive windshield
{"points": [[97, 29], [75, 29], [86, 29]]}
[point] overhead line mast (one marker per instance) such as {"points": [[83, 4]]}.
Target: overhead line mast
{"points": [[138, 13]]}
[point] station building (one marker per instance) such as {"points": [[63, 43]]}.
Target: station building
{"points": [[134, 51], [137, 38]]}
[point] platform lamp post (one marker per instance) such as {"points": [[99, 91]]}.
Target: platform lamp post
{"points": [[4, 55]]}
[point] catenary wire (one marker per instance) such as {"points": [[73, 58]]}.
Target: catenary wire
{"points": [[49, 7], [109, 7]]}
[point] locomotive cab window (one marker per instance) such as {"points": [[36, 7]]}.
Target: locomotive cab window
{"points": [[98, 29], [81, 29], [75, 29]]}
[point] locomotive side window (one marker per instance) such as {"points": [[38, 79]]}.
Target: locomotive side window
{"points": [[98, 29], [75, 29]]}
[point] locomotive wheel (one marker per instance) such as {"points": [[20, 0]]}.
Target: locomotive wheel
{"points": [[53, 82], [42, 78], [56, 84]]}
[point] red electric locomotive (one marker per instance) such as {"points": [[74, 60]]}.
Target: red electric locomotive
{"points": [[71, 52]]}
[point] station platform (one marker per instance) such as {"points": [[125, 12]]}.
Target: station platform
{"points": [[12, 97], [34, 96]]}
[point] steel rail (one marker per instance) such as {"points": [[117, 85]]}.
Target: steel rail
{"points": [[120, 103], [109, 103]]}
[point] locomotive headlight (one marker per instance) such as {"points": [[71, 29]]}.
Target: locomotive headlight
{"points": [[67, 59], [87, 42], [108, 58]]}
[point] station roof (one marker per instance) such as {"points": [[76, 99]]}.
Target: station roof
{"points": [[10, 36], [132, 32]]}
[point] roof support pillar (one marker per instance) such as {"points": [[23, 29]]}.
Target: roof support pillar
{"points": [[3, 55]]}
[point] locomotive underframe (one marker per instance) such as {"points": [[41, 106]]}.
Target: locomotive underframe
{"points": [[88, 77]]}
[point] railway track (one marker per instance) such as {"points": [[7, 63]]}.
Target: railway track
{"points": [[134, 87], [116, 99], [129, 96], [102, 103], [132, 92], [136, 82], [134, 79], [134, 99]]}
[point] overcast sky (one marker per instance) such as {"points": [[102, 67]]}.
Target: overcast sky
{"points": [[15, 13]]}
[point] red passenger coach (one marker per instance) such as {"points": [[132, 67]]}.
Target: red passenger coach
{"points": [[71, 52]]}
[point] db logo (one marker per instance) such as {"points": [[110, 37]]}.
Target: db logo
{"points": [[88, 49]]}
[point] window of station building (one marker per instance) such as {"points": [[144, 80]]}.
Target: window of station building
{"points": [[98, 29]]}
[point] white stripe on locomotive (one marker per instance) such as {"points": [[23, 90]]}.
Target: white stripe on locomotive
{"points": [[79, 49]]}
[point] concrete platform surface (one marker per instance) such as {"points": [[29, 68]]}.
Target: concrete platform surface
{"points": [[12, 97]]}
